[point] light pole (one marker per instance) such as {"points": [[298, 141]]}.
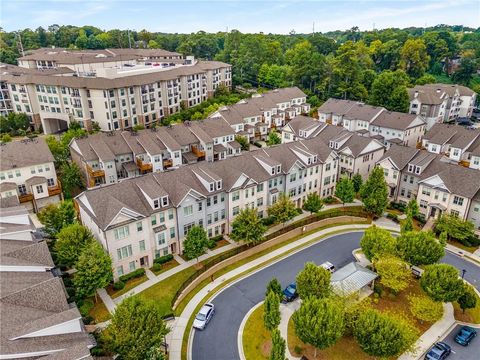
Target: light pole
{"points": [[463, 273]]}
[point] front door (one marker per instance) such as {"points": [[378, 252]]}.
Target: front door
{"points": [[432, 212], [173, 248], [144, 261]]}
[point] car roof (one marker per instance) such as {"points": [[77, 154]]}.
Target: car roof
{"points": [[205, 308]]}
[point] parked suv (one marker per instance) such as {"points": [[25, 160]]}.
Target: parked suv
{"points": [[290, 293], [439, 351], [328, 266], [465, 335]]}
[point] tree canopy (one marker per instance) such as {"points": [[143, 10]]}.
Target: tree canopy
{"points": [[313, 281], [271, 313], [394, 272], [313, 203], [374, 192], [196, 243], [420, 247], [345, 190], [376, 242], [442, 283], [55, 217], [248, 227], [71, 241], [283, 210]]}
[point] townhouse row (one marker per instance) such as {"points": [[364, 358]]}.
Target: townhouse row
{"points": [[106, 158], [142, 218], [438, 185], [27, 175], [116, 88], [37, 319]]}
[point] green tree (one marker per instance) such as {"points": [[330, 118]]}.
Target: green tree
{"points": [[383, 335], [283, 210], [313, 281], [94, 270], [306, 65], [271, 314], [377, 242], [71, 179], [394, 272], [345, 190], [469, 298], [243, 141], [313, 203], [320, 322], [71, 241], [426, 79], [466, 70], [412, 208], [406, 225], [414, 58], [279, 346], [455, 227], [55, 217], [5, 138], [357, 182], [155, 353], [196, 243], [442, 283], [248, 227], [275, 286], [130, 332], [14, 123], [374, 193], [273, 138], [420, 247], [424, 308], [389, 90]]}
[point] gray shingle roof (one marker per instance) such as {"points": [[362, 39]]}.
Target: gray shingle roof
{"points": [[394, 120], [18, 154]]}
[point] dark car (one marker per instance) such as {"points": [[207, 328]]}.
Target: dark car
{"points": [[290, 293], [465, 335], [439, 351]]}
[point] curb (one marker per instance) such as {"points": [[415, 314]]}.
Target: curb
{"points": [[240, 331]]}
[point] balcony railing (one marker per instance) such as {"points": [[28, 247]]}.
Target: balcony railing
{"points": [[167, 163], [25, 198], [143, 166], [95, 173], [197, 151], [54, 190], [465, 163]]}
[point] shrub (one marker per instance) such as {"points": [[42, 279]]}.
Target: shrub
{"points": [[156, 266], [397, 206], [163, 259], [329, 200], [119, 285], [85, 306], [393, 217], [211, 244], [134, 274], [217, 238], [267, 221]]}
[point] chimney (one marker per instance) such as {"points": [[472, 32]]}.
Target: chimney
{"points": [[438, 91], [416, 94]]}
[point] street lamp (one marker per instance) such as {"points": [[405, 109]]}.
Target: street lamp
{"points": [[463, 273]]}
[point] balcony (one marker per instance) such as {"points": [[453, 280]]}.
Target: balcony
{"points": [[167, 163], [54, 190], [25, 198], [143, 166], [95, 173], [198, 153], [329, 121], [464, 163]]}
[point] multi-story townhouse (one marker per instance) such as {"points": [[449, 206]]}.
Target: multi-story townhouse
{"points": [[474, 212], [438, 185], [141, 218], [457, 143], [117, 89], [27, 174], [301, 127], [106, 158], [37, 320], [389, 127], [254, 117]]}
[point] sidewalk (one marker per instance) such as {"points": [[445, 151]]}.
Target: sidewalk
{"points": [[465, 254], [432, 335], [175, 337], [286, 312]]}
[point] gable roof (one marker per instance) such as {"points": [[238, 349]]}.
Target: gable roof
{"points": [[396, 120], [18, 154]]}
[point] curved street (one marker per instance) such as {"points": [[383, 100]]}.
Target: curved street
{"points": [[219, 339]]}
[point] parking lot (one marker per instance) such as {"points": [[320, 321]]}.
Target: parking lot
{"points": [[459, 352]]}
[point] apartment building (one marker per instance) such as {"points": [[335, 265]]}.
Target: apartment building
{"points": [[116, 88], [438, 185], [255, 117], [37, 321], [389, 127], [27, 174], [357, 154], [142, 218], [106, 158], [456, 143], [437, 103]]}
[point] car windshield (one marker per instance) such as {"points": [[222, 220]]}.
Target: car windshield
{"points": [[200, 317], [291, 290]]}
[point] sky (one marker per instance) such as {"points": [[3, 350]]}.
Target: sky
{"points": [[248, 16]]}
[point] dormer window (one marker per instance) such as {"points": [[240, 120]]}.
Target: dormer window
{"points": [[279, 168], [411, 168], [309, 161], [212, 187], [273, 171], [315, 158], [156, 203], [219, 184], [417, 169], [165, 201]]}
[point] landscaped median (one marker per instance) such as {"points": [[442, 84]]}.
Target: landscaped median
{"points": [[290, 244]]}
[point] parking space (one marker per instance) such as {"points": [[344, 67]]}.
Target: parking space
{"points": [[459, 352]]}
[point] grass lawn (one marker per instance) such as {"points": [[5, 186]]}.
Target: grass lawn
{"points": [[394, 211], [129, 285], [470, 315], [470, 249], [166, 266], [347, 347], [99, 312], [257, 341], [164, 291]]}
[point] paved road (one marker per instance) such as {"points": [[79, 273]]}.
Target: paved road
{"points": [[219, 340], [460, 352]]}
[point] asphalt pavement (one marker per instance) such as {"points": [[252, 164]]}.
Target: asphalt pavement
{"points": [[459, 352], [219, 340]]}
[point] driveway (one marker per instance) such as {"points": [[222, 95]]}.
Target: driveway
{"points": [[459, 352], [219, 339]]}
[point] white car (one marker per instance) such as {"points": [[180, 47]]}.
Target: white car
{"points": [[328, 266], [204, 316]]}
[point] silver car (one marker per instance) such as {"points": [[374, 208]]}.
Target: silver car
{"points": [[204, 316]]}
